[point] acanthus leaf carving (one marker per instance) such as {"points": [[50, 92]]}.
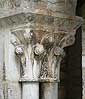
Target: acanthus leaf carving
{"points": [[40, 47]]}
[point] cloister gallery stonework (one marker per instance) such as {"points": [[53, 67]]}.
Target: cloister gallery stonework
{"points": [[33, 35]]}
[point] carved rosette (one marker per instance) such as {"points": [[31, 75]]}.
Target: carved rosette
{"points": [[40, 43]]}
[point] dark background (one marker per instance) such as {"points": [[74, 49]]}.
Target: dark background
{"points": [[70, 86]]}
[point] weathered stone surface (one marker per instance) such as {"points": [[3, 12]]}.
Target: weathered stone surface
{"points": [[10, 90], [41, 21], [50, 7], [2, 62], [49, 91], [9, 86], [13, 90], [11, 66], [39, 45], [48, 15], [1, 90], [30, 90]]}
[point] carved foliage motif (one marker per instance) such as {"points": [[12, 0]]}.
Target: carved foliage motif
{"points": [[9, 3], [44, 48], [39, 45]]}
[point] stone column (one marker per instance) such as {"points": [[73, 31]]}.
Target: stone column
{"points": [[39, 45], [29, 67], [65, 11]]}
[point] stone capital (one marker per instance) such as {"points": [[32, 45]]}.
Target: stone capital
{"points": [[40, 43]]}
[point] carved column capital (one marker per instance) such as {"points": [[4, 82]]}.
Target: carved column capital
{"points": [[40, 44]]}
